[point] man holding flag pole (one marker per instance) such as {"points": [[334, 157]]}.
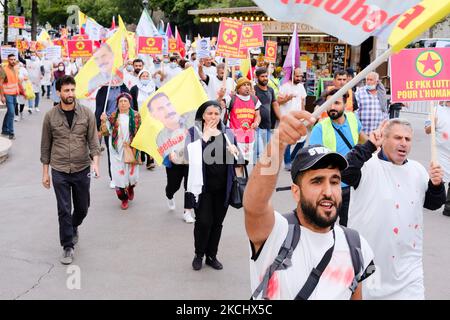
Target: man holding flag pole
{"points": [[390, 190]]}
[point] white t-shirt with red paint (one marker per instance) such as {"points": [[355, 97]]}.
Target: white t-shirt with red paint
{"points": [[387, 209], [285, 284]]}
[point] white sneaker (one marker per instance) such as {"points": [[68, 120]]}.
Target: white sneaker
{"points": [[16, 118], [187, 216], [37, 109], [171, 204], [112, 185]]}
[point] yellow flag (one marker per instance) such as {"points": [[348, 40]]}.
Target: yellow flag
{"points": [[168, 114], [82, 18], [131, 42], [104, 66], [244, 67], [44, 39], [416, 20], [121, 24]]}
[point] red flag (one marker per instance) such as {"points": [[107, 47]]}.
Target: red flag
{"points": [[113, 24], [180, 44]]}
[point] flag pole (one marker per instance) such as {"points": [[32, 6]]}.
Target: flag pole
{"points": [[250, 60], [433, 133], [107, 92], [225, 74], [353, 82]]}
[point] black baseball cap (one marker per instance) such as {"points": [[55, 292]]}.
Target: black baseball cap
{"points": [[311, 155]]}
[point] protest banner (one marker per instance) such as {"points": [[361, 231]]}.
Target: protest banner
{"points": [[271, 51], [150, 45], [16, 22], [79, 48], [252, 36], [230, 32]]}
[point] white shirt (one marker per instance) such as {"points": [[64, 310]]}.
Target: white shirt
{"points": [[442, 139], [72, 69], [130, 80], [296, 103], [285, 284], [214, 85], [387, 209], [34, 70]]}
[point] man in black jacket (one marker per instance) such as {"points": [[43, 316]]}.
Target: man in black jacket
{"points": [[387, 199], [109, 107]]}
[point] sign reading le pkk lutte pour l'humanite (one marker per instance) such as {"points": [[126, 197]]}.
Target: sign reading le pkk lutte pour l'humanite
{"points": [[420, 75]]}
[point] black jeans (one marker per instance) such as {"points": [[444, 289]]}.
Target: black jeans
{"points": [[209, 216], [109, 157], [447, 202], [18, 107], [343, 213], [68, 185], [175, 175]]}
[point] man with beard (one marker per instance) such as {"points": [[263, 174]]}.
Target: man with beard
{"points": [[316, 176], [69, 142], [266, 96], [339, 132]]}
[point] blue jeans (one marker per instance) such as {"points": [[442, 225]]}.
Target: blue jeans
{"points": [[262, 137], [36, 101], [8, 121], [289, 156]]}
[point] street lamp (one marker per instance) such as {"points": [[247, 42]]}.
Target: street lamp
{"points": [[145, 3]]}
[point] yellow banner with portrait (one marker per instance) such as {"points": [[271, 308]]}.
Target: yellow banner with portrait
{"points": [[168, 114]]}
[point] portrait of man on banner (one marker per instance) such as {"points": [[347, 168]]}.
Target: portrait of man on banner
{"points": [[104, 59], [169, 114], [175, 125]]}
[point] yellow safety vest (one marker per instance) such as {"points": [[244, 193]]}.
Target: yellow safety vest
{"points": [[329, 135]]}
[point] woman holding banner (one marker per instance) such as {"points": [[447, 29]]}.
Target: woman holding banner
{"points": [[211, 171], [123, 125]]}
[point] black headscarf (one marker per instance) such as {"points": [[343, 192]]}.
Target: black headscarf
{"points": [[201, 110]]}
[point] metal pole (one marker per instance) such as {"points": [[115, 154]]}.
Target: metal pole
{"points": [[352, 83]]}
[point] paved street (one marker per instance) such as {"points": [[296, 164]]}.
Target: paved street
{"points": [[146, 251]]}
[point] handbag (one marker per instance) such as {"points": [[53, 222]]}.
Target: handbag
{"points": [[129, 155], [238, 188], [29, 92]]}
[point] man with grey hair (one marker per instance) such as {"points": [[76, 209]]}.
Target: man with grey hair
{"points": [[388, 195], [214, 84], [372, 103]]}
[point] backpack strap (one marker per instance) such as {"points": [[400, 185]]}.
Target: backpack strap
{"points": [[283, 260], [354, 244], [228, 110]]}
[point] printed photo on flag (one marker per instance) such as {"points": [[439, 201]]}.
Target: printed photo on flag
{"points": [[168, 115]]}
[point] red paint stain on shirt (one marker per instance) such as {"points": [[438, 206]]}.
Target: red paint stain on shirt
{"points": [[273, 286], [397, 206], [396, 230], [445, 135], [132, 169], [122, 172], [416, 226]]}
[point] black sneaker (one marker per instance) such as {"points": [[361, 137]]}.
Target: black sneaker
{"points": [[75, 236], [67, 257], [12, 137], [214, 263], [446, 213], [197, 262]]}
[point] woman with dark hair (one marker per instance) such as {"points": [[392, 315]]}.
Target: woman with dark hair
{"points": [[58, 73], [123, 125], [212, 153]]}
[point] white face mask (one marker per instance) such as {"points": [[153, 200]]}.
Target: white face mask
{"points": [[130, 68], [61, 68], [371, 87]]}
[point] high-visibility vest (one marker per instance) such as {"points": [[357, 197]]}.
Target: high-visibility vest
{"points": [[11, 86], [329, 134]]}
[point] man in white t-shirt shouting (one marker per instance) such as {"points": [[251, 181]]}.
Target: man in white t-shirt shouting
{"points": [[321, 265], [388, 194], [291, 97]]}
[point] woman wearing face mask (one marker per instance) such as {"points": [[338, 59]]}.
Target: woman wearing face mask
{"points": [[123, 125], [211, 170], [22, 99], [58, 73], [140, 93]]}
